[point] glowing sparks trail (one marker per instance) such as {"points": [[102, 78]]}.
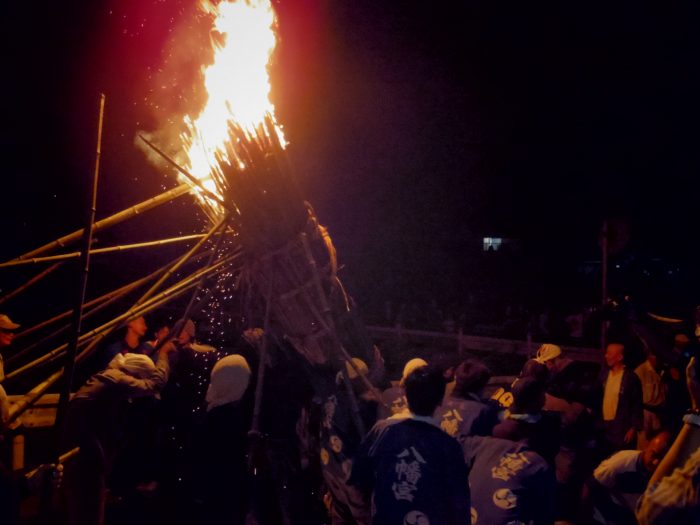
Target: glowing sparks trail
{"points": [[237, 82]]}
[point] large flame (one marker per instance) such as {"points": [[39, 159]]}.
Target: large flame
{"points": [[237, 83]]}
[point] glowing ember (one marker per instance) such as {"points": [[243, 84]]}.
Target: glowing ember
{"points": [[237, 83]]}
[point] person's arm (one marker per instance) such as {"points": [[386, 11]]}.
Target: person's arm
{"points": [[675, 498], [672, 492], [688, 440]]}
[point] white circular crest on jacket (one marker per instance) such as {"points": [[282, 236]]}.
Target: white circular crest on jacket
{"points": [[416, 517], [504, 499]]}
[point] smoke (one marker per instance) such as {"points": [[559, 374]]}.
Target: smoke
{"points": [[176, 89]]}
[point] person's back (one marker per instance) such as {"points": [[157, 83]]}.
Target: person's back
{"points": [[527, 422], [509, 482], [224, 442], [464, 412], [466, 417], [415, 470]]}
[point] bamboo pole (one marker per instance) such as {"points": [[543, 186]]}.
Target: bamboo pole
{"points": [[155, 302], [101, 302], [69, 367], [604, 288], [109, 296], [77, 322], [107, 222], [186, 173], [33, 395], [327, 319], [255, 426], [190, 304], [38, 277], [101, 251], [31, 398], [125, 290], [330, 323], [135, 311], [183, 259]]}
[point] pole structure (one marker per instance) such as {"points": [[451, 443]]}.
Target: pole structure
{"points": [[38, 277], [109, 297], [101, 251], [182, 260], [255, 427], [105, 223], [69, 367], [190, 304], [604, 286], [330, 324], [194, 180], [33, 395], [104, 330]]}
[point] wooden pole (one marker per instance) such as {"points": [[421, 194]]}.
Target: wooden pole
{"points": [[136, 310], [255, 426], [190, 304], [194, 180], [107, 222], [69, 367], [38, 277], [109, 297], [183, 259], [604, 287], [33, 396], [330, 323], [101, 251]]}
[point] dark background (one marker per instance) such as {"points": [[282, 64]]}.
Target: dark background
{"points": [[417, 129]]}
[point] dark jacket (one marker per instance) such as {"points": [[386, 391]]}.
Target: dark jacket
{"points": [[416, 473], [630, 411]]}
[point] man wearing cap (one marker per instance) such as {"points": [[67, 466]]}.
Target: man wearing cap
{"points": [[551, 356], [7, 334], [394, 398]]}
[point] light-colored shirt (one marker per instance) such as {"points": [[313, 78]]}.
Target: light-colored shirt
{"points": [[612, 395], [619, 463]]}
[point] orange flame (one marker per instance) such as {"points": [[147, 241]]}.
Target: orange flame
{"points": [[237, 84]]}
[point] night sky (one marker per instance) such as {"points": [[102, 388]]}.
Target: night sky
{"points": [[416, 128]]}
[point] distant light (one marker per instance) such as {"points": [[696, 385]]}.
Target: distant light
{"points": [[492, 243]]}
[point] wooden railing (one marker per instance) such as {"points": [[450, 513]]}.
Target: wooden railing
{"points": [[463, 343]]}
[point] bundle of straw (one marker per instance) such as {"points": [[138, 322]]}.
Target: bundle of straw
{"points": [[290, 259]]}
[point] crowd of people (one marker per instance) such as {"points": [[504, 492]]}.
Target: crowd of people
{"points": [[275, 440]]}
